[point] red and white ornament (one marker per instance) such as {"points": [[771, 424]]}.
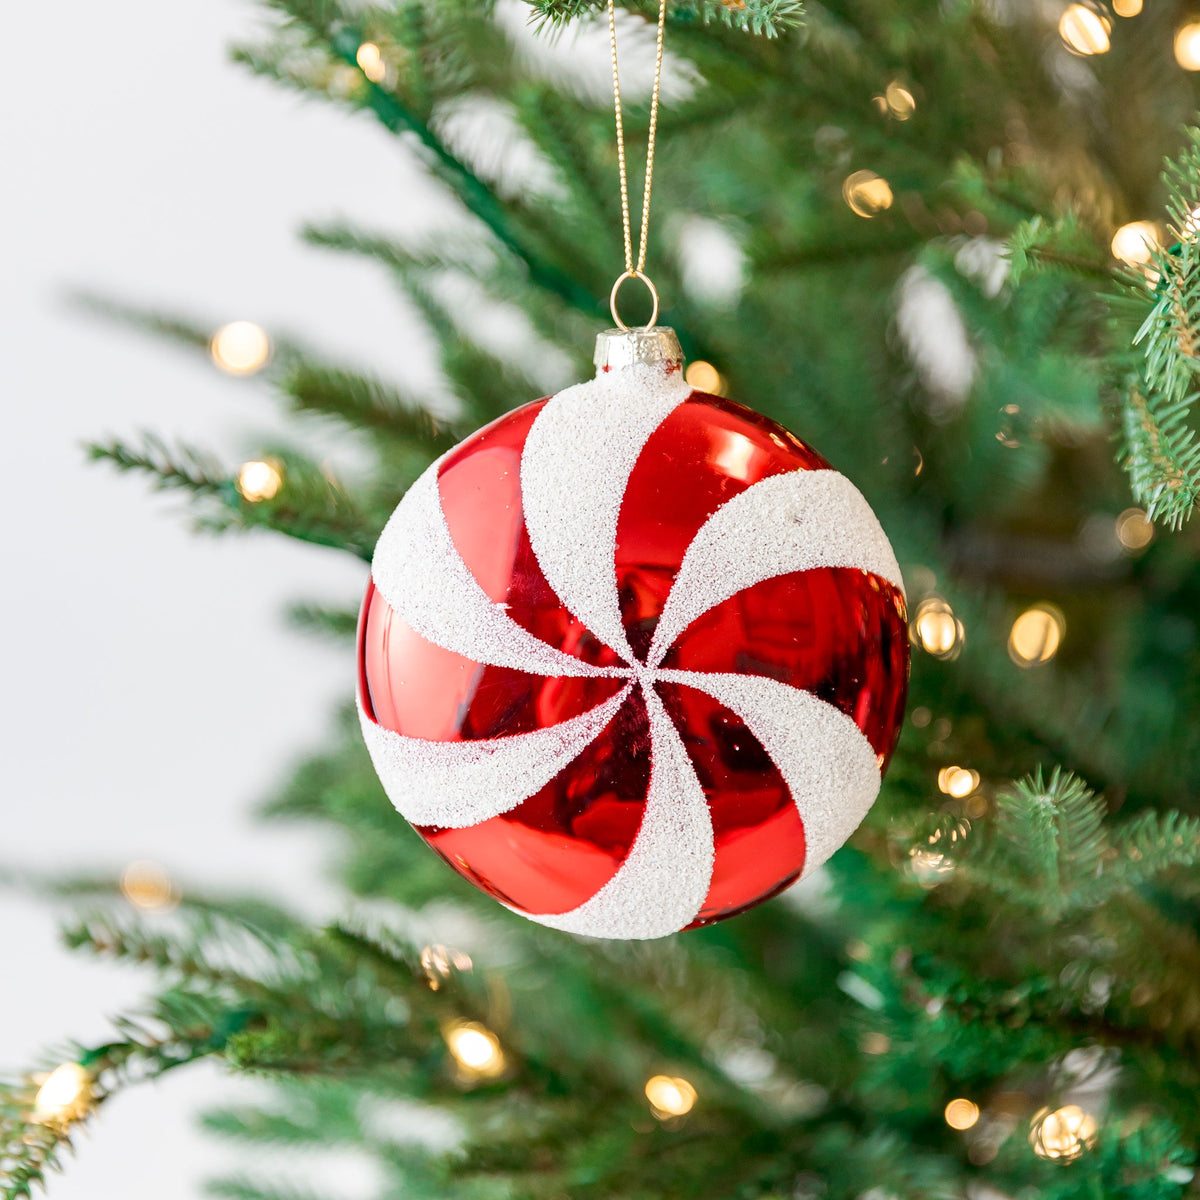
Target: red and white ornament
{"points": [[632, 658]]}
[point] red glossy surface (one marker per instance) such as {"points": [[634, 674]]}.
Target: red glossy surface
{"points": [[837, 632]]}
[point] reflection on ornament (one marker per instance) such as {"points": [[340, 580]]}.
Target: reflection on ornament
{"points": [[1135, 243], [1063, 1134], [370, 60], [936, 629], [240, 348], [1036, 635], [1187, 47], [1127, 8], [670, 1096], [1084, 31], [961, 1114], [632, 658], [258, 481], [476, 1049], [64, 1096], [1135, 530], [957, 781], [866, 193], [147, 886]]}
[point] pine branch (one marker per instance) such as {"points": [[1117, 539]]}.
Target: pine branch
{"points": [[1160, 449], [338, 623], [763, 18], [309, 504]]}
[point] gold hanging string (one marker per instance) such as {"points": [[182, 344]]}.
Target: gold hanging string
{"points": [[635, 270]]}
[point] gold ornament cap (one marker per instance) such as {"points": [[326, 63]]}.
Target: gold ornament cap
{"points": [[619, 348]]}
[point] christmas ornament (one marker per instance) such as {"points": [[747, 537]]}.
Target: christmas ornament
{"points": [[633, 657]]}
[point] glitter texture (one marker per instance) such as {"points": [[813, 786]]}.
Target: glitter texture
{"points": [[662, 884], [440, 598], [454, 784], [786, 523], [574, 469], [829, 767]]}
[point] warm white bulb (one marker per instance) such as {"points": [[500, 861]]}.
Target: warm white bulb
{"points": [[1084, 31], [1036, 635], [240, 348], [370, 60], [1135, 242], [1187, 47], [670, 1096], [476, 1048], [258, 481], [65, 1094], [866, 193]]}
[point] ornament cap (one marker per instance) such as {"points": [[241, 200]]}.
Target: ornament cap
{"points": [[618, 348]]}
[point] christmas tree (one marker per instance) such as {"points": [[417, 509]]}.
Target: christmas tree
{"points": [[938, 242]]}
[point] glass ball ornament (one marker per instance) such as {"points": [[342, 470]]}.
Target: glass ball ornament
{"points": [[632, 658]]}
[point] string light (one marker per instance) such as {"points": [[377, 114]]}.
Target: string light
{"points": [[147, 886], [476, 1049], [1036, 635], [867, 194], [961, 1114], [899, 100], [1084, 31], [64, 1096], [370, 60], [704, 377], [670, 1096], [957, 781], [1187, 47], [440, 962], [258, 481], [1127, 8], [240, 348], [1135, 243], [936, 629], [1135, 530], [1063, 1134]]}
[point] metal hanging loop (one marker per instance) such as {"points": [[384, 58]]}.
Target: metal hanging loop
{"points": [[612, 299]]}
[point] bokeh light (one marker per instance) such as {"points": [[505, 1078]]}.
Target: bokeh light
{"points": [[670, 1096], [867, 194], [440, 962], [936, 629], [900, 101], [370, 60], [1084, 31], [258, 480], [1187, 47], [1036, 635], [1135, 242], [1135, 530], [704, 377], [961, 1114], [957, 781], [1127, 8], [476, 1049], [240, 348], [1063, 1134], [147, 886], [64, 1096]]}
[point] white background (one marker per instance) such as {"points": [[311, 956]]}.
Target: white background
{"points": [[151, 693]]}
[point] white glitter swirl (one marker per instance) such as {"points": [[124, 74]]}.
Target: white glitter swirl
{"points": [[420, 573], [783, 523], [574, 470], [662, 884], [456, 784], [828, 765]]}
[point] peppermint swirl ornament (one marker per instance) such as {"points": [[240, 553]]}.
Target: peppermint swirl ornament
{"points": [[632, 658]]}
